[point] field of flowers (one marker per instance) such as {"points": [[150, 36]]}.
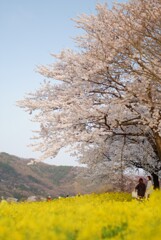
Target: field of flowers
{"points": [[94, 216]]}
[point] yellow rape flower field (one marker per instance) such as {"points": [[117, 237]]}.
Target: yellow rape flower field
{"points": [[94, 216]]}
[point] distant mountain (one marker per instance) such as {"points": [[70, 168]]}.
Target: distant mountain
{"points": [[19, 180]]}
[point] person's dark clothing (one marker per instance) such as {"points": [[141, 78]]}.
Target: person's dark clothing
{"points": [[141, 187]]}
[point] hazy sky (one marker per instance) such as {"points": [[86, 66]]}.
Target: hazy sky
{"points": [[30, 31]]}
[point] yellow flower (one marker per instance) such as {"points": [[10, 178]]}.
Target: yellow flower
{"points": [[94, 216]]}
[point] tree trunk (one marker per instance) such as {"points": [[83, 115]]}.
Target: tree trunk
{"points": [[155, 181], [157, 139]]}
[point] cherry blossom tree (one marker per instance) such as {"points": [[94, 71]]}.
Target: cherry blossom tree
{"points": [[110, 87]]}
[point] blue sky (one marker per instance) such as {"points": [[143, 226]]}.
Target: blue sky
{"points": [[30, 31]]}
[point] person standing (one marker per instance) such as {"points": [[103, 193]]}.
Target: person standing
{"points": [[149, 187], [140, 188]]}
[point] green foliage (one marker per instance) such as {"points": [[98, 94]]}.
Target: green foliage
{"points": [[33, 179], [5, 167], [112, 231], [59, 174], [18, 195]]}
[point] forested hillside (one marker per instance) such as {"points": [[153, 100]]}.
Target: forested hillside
{"points": [[17, 179]]}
